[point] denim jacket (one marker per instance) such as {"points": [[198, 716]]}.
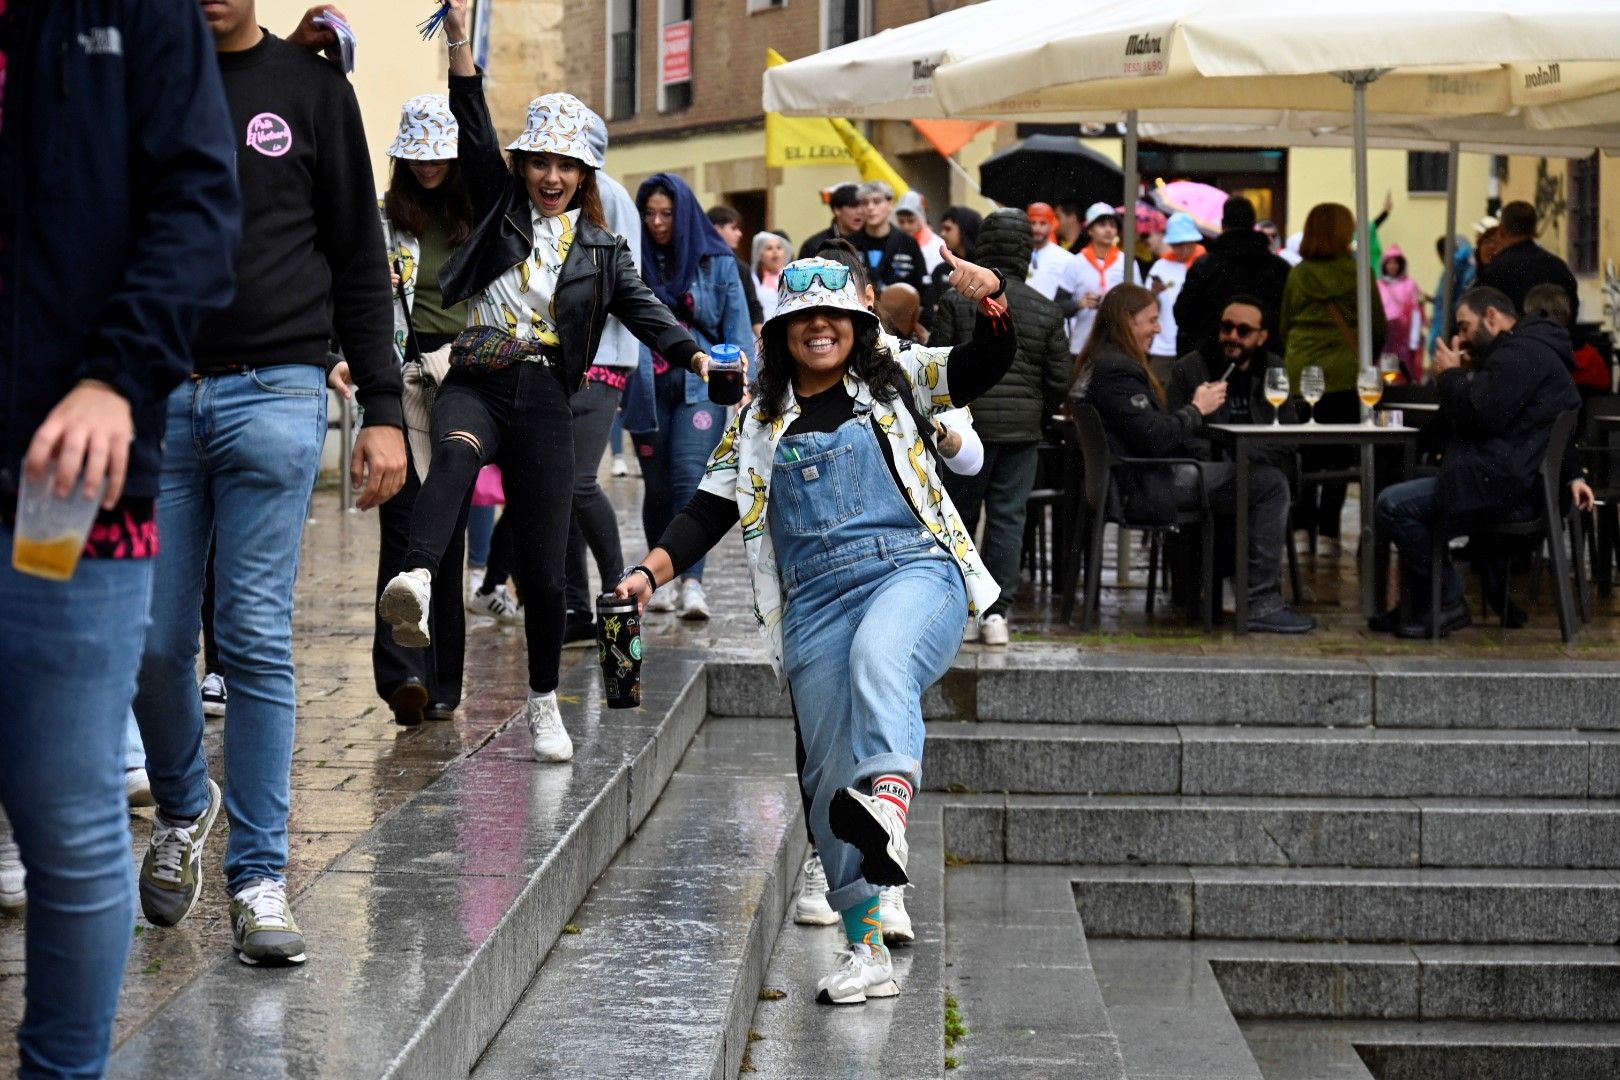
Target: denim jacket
{"points": [[721, 317]]}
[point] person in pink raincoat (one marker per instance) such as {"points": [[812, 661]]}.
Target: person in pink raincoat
{"points": [[1403, 308]]}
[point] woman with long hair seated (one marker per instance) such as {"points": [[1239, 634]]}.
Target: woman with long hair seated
{"points": [[1113, 375], [863, 574]]}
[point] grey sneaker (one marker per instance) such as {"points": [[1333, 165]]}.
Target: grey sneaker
{"points": [[263, 930], [171, 871]]}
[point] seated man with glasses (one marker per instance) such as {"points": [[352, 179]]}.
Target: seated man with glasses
{"points": [[1239, 350]]}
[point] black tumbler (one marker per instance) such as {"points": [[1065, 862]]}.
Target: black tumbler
{"points": [[618, 647]]}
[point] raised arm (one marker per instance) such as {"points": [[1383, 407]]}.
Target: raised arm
{"points": [[478, 150]]}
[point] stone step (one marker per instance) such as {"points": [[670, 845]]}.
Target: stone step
{"points": [[1287, 1050], [1282, 761], [426, 932], [1071, 685], [1168, 1012], [900, 1037], [1429, 906], [660, 967], [1456, 1051], [1235, 830], [1022, 975], [1531, 983]]}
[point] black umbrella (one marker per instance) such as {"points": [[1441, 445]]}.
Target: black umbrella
{"points": [[1051, 168]]}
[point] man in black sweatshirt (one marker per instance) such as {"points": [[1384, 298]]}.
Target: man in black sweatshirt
{"points": [[243, 448]]}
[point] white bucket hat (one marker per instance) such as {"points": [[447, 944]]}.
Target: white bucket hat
{"points": [[427, 130], [558, 124], [813, 274]]}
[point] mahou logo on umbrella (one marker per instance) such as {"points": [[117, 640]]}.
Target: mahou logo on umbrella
{"points": [[1145, 54]]}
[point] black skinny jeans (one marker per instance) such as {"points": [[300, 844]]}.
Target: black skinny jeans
{"points": [[520, 420], [440, 665]]}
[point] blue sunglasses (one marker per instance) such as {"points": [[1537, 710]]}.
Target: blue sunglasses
{"points": [[798, 279]]}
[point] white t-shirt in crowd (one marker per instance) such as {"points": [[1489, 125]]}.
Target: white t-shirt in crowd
{"points": [[1046, 269], [1084, 274], [1173, 273]]}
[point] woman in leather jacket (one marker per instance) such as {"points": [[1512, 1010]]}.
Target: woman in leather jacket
{"points": [[541, 274]]}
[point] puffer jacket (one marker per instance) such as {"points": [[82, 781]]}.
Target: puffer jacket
{"points": [[1014, 410], [1310, 333]]}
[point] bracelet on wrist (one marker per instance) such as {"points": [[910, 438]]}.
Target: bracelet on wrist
{"points": [[652, 581], [452, 46]]}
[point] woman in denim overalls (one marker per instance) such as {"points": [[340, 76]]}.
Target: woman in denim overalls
{"points": [[863, 573]]}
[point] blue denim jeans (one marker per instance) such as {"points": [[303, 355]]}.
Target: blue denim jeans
{"points": [[673, 457], [480, 527], [239, 463], [875, 611], [68, 655]]}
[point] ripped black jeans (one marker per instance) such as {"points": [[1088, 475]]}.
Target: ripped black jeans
{"points": [[518, 418]]}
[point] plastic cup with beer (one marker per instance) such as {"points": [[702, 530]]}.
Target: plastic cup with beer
{"points": [[51, 531], [726, 375]]}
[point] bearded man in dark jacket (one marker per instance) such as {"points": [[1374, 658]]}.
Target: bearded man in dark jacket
{"points": [[1239, 261], [1501, 411], [1008, 417]]}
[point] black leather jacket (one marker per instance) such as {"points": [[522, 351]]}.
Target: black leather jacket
{"points": [[598, 277]]}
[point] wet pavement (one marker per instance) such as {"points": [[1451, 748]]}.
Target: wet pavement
{"points": [[353, 766]]}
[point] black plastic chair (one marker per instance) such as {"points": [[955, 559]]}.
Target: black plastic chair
{"points": [[1101, 508], [1601, 456], [1548, 525]]}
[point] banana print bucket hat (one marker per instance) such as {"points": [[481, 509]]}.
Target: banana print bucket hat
{"points": [[558, 124], [427, 130]]}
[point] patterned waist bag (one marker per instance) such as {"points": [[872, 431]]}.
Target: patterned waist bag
{"points": [[484, 350]]}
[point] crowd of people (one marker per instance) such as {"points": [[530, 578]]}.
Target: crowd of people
{"points": [[503, 315]]}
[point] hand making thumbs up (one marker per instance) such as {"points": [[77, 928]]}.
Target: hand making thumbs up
{"points": [[970, 279]]}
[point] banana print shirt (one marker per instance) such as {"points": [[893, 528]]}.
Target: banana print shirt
{"points": [[521, 299], [740, 470]]}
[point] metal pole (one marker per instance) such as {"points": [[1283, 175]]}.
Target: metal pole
{"points": [[1132, 182], [1358, 81], [1444, 302], [346, 449]]}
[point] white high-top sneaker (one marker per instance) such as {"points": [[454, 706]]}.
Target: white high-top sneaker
{"points": [[812, 909], [551, 741]]}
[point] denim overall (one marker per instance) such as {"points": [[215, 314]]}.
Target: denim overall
{"points": [[874, 616]]}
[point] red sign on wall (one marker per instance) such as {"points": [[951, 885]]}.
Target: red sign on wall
{"points": [[677, 52]]}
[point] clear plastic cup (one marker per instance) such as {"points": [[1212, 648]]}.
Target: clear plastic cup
{"points": [[725, 375], [51, 531]]}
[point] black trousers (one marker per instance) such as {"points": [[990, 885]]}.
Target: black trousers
{"points": [[441, 664], [520, 419]]}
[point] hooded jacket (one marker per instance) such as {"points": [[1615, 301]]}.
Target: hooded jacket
{"points": [[121, 215], [598, 277], [1462, 278], [1238, 261], [1310, 333], [1140, 426], [1502, 412], [1014, 410]]}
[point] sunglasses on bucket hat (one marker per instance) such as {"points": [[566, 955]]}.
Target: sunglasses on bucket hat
{"points": [[798, 279]]}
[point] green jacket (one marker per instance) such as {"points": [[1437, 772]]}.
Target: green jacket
{"points": [[1309, 332]]}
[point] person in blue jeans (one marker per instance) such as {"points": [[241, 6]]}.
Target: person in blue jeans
{"points": [[243, 446], [688, 266], [862, 571], [120, 207]]}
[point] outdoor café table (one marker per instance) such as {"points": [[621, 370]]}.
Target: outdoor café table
{"points": [[1244, 437], [1408, 406]]}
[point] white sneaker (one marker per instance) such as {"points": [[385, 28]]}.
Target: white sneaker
{"points": [[213, 697], [663, 599], [970, 631], [619, 468], [475, 578], [896, 920], [875, 828], [551, 741], [137, 788], [863, 972], [993, 630], [13, 895], [812, 908], [498, 603], [404, 605], [694, 606]]}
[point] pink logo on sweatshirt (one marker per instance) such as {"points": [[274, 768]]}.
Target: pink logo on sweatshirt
{"points": [[269, 134]]}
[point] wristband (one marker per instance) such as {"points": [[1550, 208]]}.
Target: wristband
{"points": [[1001, 284], [452, 46], [652, 581]]}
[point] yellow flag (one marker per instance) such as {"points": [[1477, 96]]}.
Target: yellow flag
{"points": [[800, 140], [873, 165]]}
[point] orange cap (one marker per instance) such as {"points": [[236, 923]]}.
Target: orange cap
{"points": [[1043, 211]]}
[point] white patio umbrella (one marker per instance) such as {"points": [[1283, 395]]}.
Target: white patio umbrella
{"points": [[1550, 63]]}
